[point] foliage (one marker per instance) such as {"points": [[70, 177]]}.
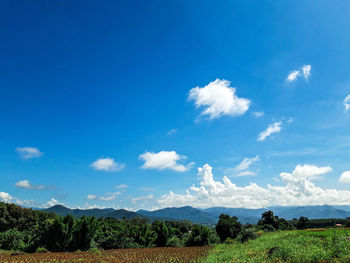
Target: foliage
{"points": [[303, 223], [28, 230], [228, 227]]}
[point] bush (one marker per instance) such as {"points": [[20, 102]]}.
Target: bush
{"points": [[174, 242], [268, 228], [246, 234], [12, 240]]}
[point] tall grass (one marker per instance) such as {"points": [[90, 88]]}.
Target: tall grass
{"points": [[287, 246]]}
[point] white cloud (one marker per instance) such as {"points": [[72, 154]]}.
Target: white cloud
{"points": [[28, 152], [347, 103], [107, 164], [272, 128], [298, 190], [345, 177], [51, 203], [91, 197], [295, 74], [172, 131], [106, 197], [306, 71], [27, 185], [5, 197], [245, 173], [218, 99], [258, 114], [164, 160], [121, 186], [247, 162], [141, 198]]}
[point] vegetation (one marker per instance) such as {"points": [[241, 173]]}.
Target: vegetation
{"points": [[287, 246], [29, 231], [90, 239]]}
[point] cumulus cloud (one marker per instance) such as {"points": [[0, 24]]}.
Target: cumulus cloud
{"points": [[304, 72], [298, 189], [347, 103], [345, 177], [5, 197], [141, 198], [28, 152], [107, 164], [27, 185], [258, 114], [51, 203], [164, 160], [272, 128], [218, 99]]}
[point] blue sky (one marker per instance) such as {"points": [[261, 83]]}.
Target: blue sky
{"points": [[117, 104]]}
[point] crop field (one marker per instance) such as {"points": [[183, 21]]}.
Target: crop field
{"points": [[298, 246], [145, 255]]}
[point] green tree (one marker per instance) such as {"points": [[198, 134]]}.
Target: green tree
{"points": [[227, 227], [303, 223]]}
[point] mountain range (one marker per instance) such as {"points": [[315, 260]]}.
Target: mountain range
{"points": [[209, 216]]}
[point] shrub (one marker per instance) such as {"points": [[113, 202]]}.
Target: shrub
{"points": [[246, 234]]}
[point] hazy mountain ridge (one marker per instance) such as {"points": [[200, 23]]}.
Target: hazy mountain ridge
{"points": [[210, 215]]}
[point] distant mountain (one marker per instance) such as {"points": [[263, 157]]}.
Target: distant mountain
{"points": [[182, 213], [210, 216], [108, 212], [311, 212]]}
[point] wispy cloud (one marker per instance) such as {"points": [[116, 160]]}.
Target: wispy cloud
{"points": [[164, 160], [27, 185], [106, 197], [347, 103], [272, 128], [258, 114], [218, 99], [121, 186], [28, 152], [141, 198], [107, 164], [172, 131], [243, 168], [305, 72]]}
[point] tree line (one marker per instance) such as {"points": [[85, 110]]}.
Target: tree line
{"points": [[30, 230]]}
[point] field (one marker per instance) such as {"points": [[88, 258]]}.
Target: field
{"points": [[301, 246], [288, 246], [145, 255]]}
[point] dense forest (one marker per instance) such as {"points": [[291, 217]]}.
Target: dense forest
{"points": [[30, 230]]}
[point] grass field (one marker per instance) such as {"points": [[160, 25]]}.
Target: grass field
{"points": [[288, 246]]}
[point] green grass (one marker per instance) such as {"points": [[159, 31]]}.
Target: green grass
{"points": [[287, 246]]}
